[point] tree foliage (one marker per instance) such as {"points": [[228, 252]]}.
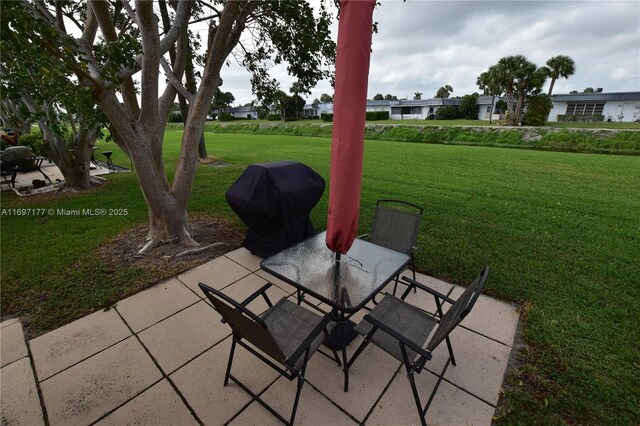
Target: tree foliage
{"points": [[378, 97], [115, 40], [517, 77], [326, 98], [444, 91], [538, 109], [221, 102], [417, 96], [469, 107], [559, 66]]}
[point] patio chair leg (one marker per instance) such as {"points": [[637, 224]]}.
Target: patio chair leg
{"points": [[435, 389], [333, 350], [233, 348], [450, 348], [416, 396]]}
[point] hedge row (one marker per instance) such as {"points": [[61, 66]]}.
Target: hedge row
{"points": [[569, 140], [583, 118], [371, 116]]}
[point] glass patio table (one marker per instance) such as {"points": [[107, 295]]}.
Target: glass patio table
{"points": [[346, 284]]}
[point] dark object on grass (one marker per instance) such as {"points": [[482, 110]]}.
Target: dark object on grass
{"points": [[274, 200]]}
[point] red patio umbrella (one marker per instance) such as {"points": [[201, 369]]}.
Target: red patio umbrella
{"points": [[350, 105]]}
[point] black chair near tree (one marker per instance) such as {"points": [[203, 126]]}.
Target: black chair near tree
{"points": [[395, 226], [401, 330], [287, 333]]}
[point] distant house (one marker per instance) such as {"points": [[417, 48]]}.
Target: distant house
{"points": [[614, 106], [247, 112]]}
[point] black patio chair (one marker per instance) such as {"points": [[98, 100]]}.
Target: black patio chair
{"points": [[402, 329], [395, 226], [287, 333]]}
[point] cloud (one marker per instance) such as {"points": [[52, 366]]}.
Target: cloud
{"points": [[422, 45]]}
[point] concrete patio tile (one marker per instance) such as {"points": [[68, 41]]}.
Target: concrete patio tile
{"points": [[491, 317], [150, 306], [12, 344], [217, 273], [451, 406], [8, 322], [183, 336], [481, 363], [245, 258], [313, 408], [424, 300], [19, 401], [368, 377], [159, 405], [88, 390], [200, 382], [246, 286], [65, 346], [287, 288]]}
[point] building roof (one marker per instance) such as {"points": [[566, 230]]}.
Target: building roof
{"points": [[595, 97]]}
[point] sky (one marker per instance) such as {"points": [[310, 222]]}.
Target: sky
{"points": [[423, 45]]}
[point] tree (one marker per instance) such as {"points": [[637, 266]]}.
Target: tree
{"points": [[417, 96], [588, 90], [559, 66], [38, 88], [573, 92], [444, 91], [538, 109], [389, 97], [447, 112], [131, 41], [221, 102], [378, 97], [469, 107], [517, 77], [295, 89], [489, 83], [326, 98]]}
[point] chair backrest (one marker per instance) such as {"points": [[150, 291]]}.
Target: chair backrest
{"points": [[395, 225], [244, 323], [459, 309]]}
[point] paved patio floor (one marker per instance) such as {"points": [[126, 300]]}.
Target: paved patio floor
{"points": [[25, 180], [158, 358]]}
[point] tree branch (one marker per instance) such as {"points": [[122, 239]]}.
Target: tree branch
{"points": [[148, 24]]}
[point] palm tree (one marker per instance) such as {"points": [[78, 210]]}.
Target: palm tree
{"points": [[297, 88], [444, 91], [559, 66], [417, 96], [490, 86]]}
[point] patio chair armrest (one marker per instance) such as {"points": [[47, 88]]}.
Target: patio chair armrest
{"points": [[398, 336], [429, 290], [261, 291], [309, 339], [230, 301], [363, 236]]}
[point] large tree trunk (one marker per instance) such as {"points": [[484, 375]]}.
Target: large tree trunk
{"points": [[519, 108], [511, 107]]}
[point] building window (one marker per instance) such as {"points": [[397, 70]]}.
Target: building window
{"points": [[584, 109], [488, 109]]}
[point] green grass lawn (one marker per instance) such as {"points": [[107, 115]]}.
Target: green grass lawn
{"points": [[561, 232]]}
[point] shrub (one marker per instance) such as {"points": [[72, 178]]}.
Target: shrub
{"points": [[447, 112], [288, 119], [326, 117], [538, 109], [572, 118], [35, 141], [469, 107], [226, 117], [175, 117], [273, 117], [431, 117], [377, 115]]}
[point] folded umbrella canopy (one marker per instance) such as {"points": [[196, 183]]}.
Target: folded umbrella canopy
{"points": [[350, 105]]}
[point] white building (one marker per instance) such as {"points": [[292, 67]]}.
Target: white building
{"points": [[615, 106]]}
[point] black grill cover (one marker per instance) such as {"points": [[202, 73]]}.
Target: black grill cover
{"points": [[274, 200]]}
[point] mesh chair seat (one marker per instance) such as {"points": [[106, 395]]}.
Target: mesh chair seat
{"points": [[289, 324], [415, 324]]}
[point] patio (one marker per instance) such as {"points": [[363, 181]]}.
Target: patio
{"points": [[25, 180], [158, 357]]}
